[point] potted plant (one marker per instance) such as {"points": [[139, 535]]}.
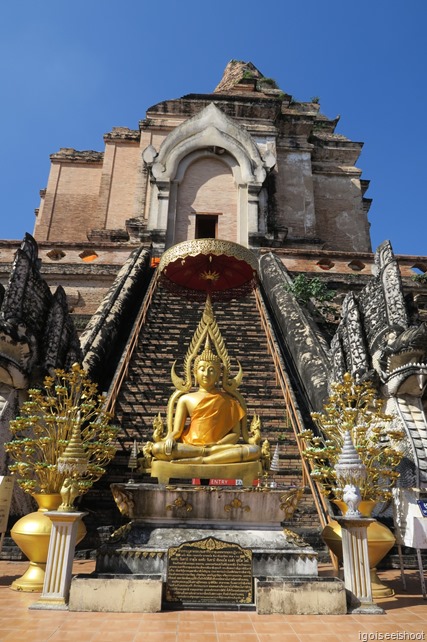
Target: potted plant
{"points": [[68, 405], [355, 407]]}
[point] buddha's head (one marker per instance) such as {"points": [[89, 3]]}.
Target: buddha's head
{"points": [[207, 368]]}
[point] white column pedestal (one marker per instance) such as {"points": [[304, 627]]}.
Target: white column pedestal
{"points": [[357, 577], [59, 566]]}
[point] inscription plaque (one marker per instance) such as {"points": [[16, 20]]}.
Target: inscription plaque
{"points": [[209, 571]]}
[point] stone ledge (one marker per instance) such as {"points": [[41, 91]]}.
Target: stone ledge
{"points": [[301, 596], [116, 594], [122, 133]]}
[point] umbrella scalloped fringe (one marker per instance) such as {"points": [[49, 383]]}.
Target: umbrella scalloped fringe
{"points": [[215, 247]]}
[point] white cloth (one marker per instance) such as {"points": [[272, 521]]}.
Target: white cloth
{"points": [[410, 525]]}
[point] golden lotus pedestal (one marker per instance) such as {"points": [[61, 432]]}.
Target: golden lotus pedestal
{"points": [[166, 470]]}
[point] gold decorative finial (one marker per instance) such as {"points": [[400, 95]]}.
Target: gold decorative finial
{"points": [[74, 458], [133, 460], [74, 463]]}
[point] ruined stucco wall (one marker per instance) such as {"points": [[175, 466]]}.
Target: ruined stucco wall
{"points": [[340, 217], [294, 194]]}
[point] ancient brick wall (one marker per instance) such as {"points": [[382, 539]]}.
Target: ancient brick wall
{"points": [[70, 205], [208, 187], [117, 195]]}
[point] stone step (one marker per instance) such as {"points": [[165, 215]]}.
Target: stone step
{"points": [[11, 551]]}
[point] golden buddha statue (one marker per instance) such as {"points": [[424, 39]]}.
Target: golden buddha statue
{"points": [[215, 422], [204, 426]]}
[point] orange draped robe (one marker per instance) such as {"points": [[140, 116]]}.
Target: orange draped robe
{"points": [[213, 418]]}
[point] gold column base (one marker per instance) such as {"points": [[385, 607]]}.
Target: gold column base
{"points": [[32, 580], [379, 590]]}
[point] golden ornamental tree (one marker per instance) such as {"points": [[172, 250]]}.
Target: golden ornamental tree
{"points": [[354, 407], [44, 428]]}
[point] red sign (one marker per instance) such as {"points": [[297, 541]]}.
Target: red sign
{"points": [[219, 482]]}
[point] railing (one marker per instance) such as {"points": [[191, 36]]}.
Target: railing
{"points": [[291, 409], [130, 347]]}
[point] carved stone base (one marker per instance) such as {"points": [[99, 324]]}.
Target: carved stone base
{"points": [[144, 550], [206, 506], [164, 519]]}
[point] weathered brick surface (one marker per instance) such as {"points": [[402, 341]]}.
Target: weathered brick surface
{"points": [[207, 188], [294, 194], [339, 211], [315, 191], [70, 204]]}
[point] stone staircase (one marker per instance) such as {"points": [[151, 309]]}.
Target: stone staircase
{"points": [[169, 326], [10, 551]]}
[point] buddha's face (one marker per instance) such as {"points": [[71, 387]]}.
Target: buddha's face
{"points": [[207, 374]]}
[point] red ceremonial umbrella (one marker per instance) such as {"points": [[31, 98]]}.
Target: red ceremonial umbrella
{"points": [[209, 265]]}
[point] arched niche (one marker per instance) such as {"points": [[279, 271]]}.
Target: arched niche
{"points": [[206, 194], [208, 135]]}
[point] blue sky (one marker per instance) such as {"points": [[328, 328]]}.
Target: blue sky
{"points": [[70, 71]]}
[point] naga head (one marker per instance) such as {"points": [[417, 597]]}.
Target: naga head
{"points": [[402, 361]]}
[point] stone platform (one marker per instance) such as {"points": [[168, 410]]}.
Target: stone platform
{"points": [[205, 546], [166, 517], [144, 550]]}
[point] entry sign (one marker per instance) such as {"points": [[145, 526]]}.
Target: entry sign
{"points": [[225, 482], [6, 489]]}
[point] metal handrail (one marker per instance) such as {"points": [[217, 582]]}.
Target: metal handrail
{"points": [[291, 409], [130, 347]]}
